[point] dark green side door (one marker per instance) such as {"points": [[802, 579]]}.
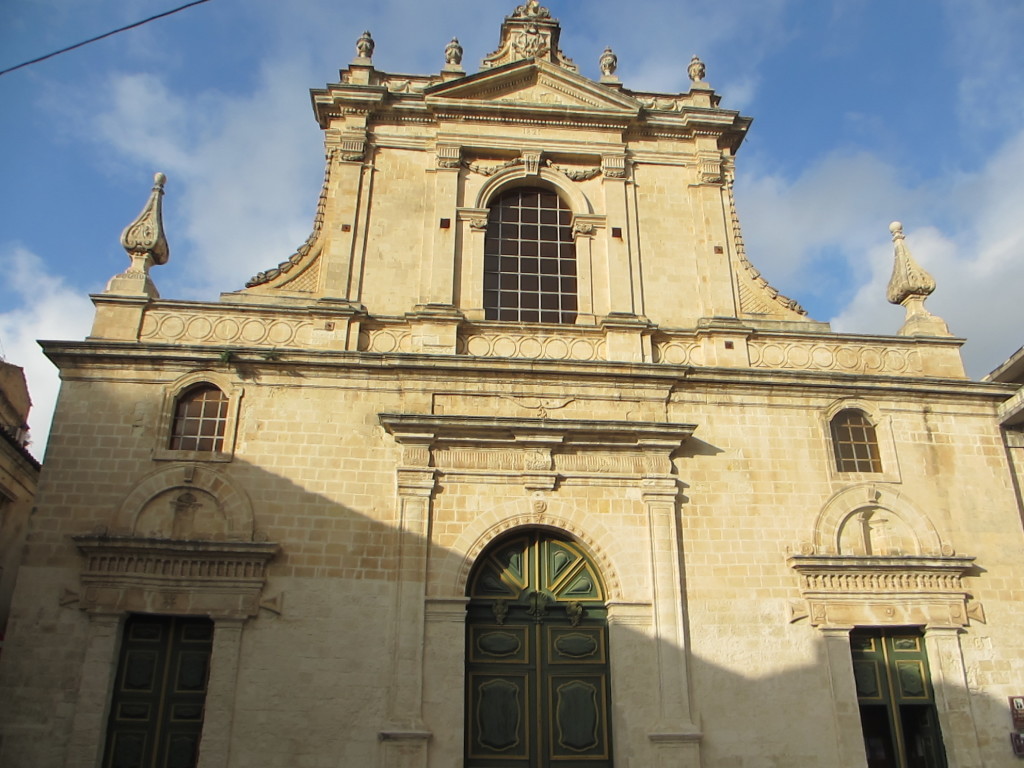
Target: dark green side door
{"points": [[537, 683], [897, 704], [156, 715]]}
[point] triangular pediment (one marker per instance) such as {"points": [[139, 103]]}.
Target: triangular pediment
{"points": [[531, 83]]}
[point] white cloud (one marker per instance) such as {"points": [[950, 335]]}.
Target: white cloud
{"points": [[47, 309], [965, 230], [242, 172]]}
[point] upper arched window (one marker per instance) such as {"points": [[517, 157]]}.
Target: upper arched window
{"points": [[200, 418], [855, 442], [530, 258]]}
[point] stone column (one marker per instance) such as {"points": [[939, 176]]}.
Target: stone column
{"points": [[404, 740], [845, 709], [674, 734], [219, 716], [952, 699], [99, 666]]}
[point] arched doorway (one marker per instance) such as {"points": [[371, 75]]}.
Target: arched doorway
{"points": [[537, 681]]}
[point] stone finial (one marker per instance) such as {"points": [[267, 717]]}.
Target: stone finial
{"points": [[453, 53], [608, 62], [910, 285], [697, 71], [146, 245], [364, 47], [532, 10], [529, 33]]}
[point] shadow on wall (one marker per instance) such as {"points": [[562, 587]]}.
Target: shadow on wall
{"points": [[330, 654]]}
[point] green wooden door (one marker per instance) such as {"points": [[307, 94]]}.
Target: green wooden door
{"points": [[537, 683], [897, 704], [156, 715]]}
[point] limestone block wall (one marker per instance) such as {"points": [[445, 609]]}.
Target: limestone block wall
{"points": [[316, 679]]}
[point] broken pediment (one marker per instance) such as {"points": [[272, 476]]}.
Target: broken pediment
{"points": [[533, 83]]}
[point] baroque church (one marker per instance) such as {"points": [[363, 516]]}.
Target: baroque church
{"points": [[518, 461]]}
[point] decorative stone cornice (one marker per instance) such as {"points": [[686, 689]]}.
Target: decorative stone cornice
{"points": [[537, 450], [215, 578], [858, 590]]}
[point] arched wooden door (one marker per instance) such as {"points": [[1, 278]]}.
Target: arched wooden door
{"points": [[537, 682]]}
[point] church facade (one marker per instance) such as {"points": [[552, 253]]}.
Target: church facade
{"points": [[517, 461]]}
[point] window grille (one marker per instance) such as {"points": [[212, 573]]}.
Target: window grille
{"points": [[530, 259], [855, 442], [200, 418]]}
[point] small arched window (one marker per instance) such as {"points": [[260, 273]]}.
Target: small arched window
{"points": [[855, 442], [530, 258], [200, 418]]}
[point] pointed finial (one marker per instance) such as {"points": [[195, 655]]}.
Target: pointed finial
{"points": [[608, 62], [910, 285], [146, 245], [697, 71], [364, 47], [145, 235]]}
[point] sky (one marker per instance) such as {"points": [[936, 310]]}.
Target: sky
{"points": [[865, 112]]}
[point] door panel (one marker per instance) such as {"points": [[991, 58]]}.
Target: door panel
{"points": [[897, 707], [156, 716], [537, 689]]}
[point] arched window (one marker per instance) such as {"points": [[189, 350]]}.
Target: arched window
{"points": [[855, 442], [537, 674], [200, 417], [530, 258]]}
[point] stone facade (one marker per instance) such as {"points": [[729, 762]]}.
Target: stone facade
{"points": [[380, 430]]}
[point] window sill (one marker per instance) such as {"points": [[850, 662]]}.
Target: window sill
{"points": [[167, 454]]}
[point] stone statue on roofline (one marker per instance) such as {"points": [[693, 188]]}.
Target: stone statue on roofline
{"points": [[365, 46], [697, 71], [453, 53], [608, 63]]}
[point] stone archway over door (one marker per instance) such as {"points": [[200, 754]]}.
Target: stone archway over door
{"points": [[537, 677]]}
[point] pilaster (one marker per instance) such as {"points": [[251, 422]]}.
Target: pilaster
{"points": [[952, 698], [469, 287], [219, 715], [674, 733], [435, 328], [118, 318], [405, 739], [584, 230], [627, 338], [620, 288], [843, 688], [349, 200], [437, 267], [89, 726]]}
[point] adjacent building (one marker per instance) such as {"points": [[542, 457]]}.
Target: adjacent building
{"points": [[19, 478], [517, 461]]}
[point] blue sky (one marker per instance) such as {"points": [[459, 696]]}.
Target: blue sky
{"points": [[864, 111]]}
